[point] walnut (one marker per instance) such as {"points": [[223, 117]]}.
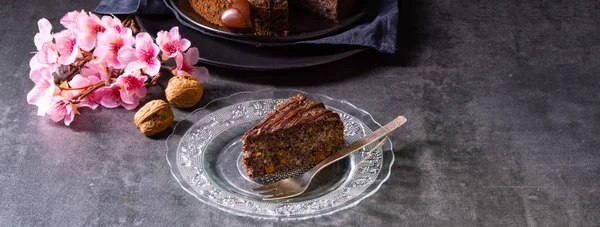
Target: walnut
{"points": [[183, 91], [154, 117]]}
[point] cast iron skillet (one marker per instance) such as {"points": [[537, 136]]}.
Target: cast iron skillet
{"points": [[304, 25]]}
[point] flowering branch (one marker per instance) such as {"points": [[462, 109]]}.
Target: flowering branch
{"points": [[101, 61], [74, 69], [90, 89], [153, 81]]}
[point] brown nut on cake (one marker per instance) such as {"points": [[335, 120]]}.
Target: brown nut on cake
{"points": [[154, 117], [183, 91]]}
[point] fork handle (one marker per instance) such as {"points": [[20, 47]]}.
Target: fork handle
{"points": [[361, 143]]}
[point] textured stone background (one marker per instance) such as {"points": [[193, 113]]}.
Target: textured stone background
{"points": [[502, 97]]}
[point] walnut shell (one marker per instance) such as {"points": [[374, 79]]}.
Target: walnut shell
{"points": [[154, 117], [183, 91]]}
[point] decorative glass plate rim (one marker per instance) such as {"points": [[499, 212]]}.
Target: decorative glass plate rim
{"points": [[386, 174]]}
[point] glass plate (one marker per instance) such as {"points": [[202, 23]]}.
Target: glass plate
{"points": [[204, 153]]}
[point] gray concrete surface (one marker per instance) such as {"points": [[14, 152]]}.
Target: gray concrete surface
{"points": [[502, 97]]}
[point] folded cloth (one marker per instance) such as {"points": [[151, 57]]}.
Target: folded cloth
{"points": [[379, 33]]}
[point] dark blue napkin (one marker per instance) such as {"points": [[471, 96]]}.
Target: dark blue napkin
{"points": [[379, 33]]}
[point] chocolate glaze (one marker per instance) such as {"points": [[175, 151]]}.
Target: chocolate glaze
{"points": [[295, 110], [294, 116]]}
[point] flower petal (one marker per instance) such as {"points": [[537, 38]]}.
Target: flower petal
{"points": [[141, 92], [36, 94], [44, 25], [109, 103], [44, 35], [78, 81], [127, 37], [162, 37], [135, 66], [126, 98], [201, 74], [70, 114], [48, 54], [153, 68], [107, 97], [88, 28], [66, 46], [126, 55], [89, 104], [93, 79], [192, 56], [69, 19], [43, 105], [143, 41], [111, 22], [40, 74], [70, 58], [185, 44], [179, 61], [86, 43], [39, 39], [34, 63], [94, 71], [174, 33], [101, 51], [57, 110], [133, 105]]}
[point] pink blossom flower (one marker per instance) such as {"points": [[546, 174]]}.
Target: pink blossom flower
{"points": [[43, 91], [95, 69], [79, 81], [143, 56], [69, 20], [60, 109], [88, 27], [110, 97], [112, 22], [131, 85], [34, 63], [67, 47], [110, 43], [185, 64], [171, 43], [44, 35], [45, 58], [38, 74], [48, 54]]}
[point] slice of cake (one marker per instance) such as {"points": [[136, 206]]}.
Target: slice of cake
{"points": [[298, 133], [334, 10]]}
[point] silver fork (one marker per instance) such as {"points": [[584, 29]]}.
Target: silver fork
{"points": [[291, 187]]}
